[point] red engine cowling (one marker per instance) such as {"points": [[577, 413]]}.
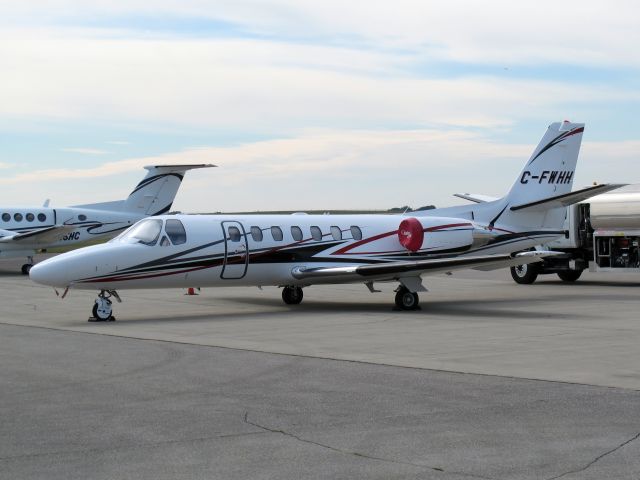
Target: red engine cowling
{"points": [[411, 234]]}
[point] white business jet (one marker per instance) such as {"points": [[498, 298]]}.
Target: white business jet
{"points": [[27, 230], [296, 251]]}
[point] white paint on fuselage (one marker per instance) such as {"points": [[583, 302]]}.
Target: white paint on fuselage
{"points": [[110, 264]]}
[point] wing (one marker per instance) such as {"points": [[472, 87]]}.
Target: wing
{"points": [[569, 198], [398, 270], [45, 235]]}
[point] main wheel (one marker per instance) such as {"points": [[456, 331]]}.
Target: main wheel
{"points": [[570, 275], [26, 268], [406, 300], [525, 274], [102, 309], [292, 295]]}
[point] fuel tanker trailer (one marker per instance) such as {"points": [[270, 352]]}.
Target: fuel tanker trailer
{"points": [[602, 234]]}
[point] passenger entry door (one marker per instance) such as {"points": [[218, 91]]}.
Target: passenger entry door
{"points": [[236, 254]]}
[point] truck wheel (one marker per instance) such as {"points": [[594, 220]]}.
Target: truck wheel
{"points": [[570, 275], [525, 274]]}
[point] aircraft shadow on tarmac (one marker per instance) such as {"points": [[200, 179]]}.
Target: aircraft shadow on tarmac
{"points": [[486, 308], [595, 283]]}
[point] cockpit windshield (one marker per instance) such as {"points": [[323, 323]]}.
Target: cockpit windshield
{"points": [[145, 232]]}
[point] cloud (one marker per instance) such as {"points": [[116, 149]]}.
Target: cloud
{"points": [[491, 32], [118, 142], [85, 151], [261, 86], [328, 169]]}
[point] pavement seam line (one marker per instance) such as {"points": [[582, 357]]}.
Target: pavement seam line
{"points": [[354, 453], [598, 458], [129, 447], [316, 357]]}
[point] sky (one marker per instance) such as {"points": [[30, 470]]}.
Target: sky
{"points": [[309, 105]]}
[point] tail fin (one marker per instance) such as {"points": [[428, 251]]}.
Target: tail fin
{"points": [[550, 170], [548, 174], [154, 195]]}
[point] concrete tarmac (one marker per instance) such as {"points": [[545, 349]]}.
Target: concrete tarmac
{"points": [[489, 380]]}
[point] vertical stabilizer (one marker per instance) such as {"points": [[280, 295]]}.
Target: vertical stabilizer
{"points": [[154, 195], [551, 168], [548, 173]]}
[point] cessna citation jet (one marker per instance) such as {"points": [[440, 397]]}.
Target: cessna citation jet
{"points": [[24, 231], [296, 251]]}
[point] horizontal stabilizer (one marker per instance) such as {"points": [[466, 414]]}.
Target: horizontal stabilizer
{"points": [[179, 167], [475, 197], [567, 199], [45, 235], [396, 270]]}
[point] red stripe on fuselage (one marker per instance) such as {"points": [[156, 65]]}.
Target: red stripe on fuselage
{"points": [[346, 250]]}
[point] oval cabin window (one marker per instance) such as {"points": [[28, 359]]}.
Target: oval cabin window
{"points": [[296, 233], [276, 233]]}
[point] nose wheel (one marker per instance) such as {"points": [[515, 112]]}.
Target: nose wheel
{"points": [[102, 310], [26, 268]]}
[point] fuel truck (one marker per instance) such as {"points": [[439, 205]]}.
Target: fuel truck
{"points": [[602, 234]]}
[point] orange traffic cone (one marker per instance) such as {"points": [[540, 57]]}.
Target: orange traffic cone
{"points": [[191, 291]]}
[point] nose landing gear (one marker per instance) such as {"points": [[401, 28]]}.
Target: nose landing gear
{"points": [[102, 310], [27, 266]]}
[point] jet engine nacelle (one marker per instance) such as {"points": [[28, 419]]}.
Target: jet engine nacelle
{"points": [[441, 234]]}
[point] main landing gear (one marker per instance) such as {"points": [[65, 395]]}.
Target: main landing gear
{"points": [[406, 300], [525, 274], [26, 268], [102, 310], [292, 295]]}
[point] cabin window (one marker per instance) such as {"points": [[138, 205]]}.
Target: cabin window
{"points": [[296, 233], [30, 217], [82, 217], [336, 233], [17, 217], [145, 232], [356, 233], [276, 233], [234, 234], [165, 241], [6, 217], [316, 233], [42, 217], [176, 232], [256, 234]]}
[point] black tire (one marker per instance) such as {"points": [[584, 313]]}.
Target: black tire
{"points": [[525, 274], [406, 300], [26, 268], [292, 295], [570, 275]]}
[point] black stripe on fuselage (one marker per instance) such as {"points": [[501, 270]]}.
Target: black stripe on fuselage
{"points": [[296, 253]]}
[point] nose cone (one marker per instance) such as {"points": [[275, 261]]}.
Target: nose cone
{"points": [[50, 273]]}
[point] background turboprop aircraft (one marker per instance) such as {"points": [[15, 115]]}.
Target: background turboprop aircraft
{"points": [[24, 231], [295, 251]]}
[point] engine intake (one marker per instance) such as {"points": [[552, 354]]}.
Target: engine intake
{"points": [[411, 234]]}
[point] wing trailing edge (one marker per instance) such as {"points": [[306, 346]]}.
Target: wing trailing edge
{"points": [[397, 270], [567, 199]]}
